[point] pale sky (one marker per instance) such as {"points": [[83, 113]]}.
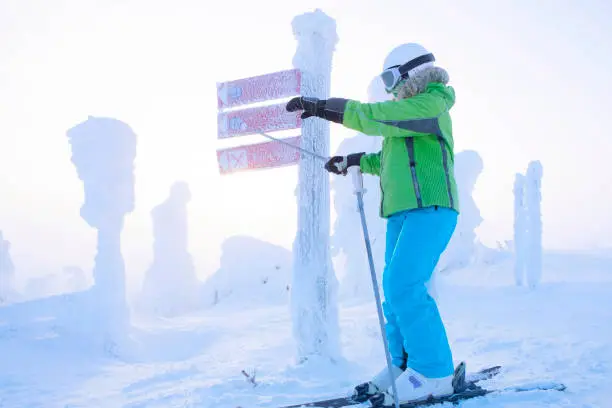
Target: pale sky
{"points": [[532, 79]]}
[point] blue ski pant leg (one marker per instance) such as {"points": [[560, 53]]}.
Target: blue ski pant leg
{"points": [[394, 336], [424, 235]]}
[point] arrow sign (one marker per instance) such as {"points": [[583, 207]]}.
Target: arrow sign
{"points": [[256, 120], [258, 156], [257, 89]]}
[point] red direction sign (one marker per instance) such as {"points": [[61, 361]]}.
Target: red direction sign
{"points": [[255, 120], [258, 156], [257, 89]]}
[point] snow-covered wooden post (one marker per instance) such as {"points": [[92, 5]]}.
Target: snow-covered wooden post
{"points": [[520, 228], [533, 197], [314, 287]]}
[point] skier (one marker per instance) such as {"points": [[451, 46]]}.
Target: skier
{"points": [[419, 201]]}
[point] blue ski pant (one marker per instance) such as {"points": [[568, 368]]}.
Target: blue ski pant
{"points": [[415, 332]]}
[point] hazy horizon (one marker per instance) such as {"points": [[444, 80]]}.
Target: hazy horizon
{"points": [[531, 81]]}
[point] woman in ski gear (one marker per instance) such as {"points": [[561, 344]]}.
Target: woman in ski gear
{"points": [[419, 201]]}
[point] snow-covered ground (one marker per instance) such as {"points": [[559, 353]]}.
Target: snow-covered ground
{"points": [[561, 331], [89, 337]]}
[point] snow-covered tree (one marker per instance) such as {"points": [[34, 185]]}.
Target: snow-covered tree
{"points": [[314, 285], [520, 228], [533, 196], [462, 247], [170, 285], [7, 272], [103, 152], [528, 225], [75, 279], [251, 271], [69, 280]]}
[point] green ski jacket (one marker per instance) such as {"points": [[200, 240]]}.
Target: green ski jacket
{"points": [[416, 163]]}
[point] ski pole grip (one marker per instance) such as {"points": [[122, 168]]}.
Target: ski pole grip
{"points": [[357, 178], [342, 165]]}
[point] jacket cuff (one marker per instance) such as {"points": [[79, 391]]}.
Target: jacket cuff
{"points": [[334, 109], [354, 159]]}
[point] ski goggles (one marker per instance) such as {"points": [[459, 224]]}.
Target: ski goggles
{"points": [[391, 76]]}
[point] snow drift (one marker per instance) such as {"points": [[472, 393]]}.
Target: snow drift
{"points": [[252, 272]]}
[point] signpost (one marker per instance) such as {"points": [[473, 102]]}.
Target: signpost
{"points": [[255, 120], [258, 156], [258, 89]]}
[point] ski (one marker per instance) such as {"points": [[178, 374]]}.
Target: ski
{"points": [[340, 402], [472, 391], [484, 374]]}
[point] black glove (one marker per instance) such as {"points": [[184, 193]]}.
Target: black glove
{"points": [[329, 109], [310, 106], [340, 164]]}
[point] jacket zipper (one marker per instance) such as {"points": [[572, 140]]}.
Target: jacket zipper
{"points": [[415, 180], [382, 192], [446, 173]]}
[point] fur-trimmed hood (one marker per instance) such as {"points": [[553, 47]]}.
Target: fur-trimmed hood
{"points": [[417, 83]]}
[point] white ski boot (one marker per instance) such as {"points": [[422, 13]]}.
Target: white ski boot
{"points": [[412, 386], [378, 384]]}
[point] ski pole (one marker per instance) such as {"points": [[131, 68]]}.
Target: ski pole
{"points": [[308, 152], [359, 190]]}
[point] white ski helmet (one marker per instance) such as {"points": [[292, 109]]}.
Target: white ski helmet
{"points": [[403, 61]]}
